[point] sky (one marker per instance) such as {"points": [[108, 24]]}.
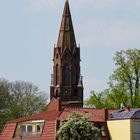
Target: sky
{"points": [[29, 29]]}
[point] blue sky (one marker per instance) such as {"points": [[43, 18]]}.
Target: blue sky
{"points": [[29, 30]]}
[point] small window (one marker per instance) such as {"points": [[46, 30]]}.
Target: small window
{"points": [[29, 128], [38, 128], [102, 130], [23, 128], [138, 115]]}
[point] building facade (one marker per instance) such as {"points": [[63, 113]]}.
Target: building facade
{"points": [[124, 124]]}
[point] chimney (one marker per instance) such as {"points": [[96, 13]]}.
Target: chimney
{"points": [[128, 109], [54, 105], [106, 114]]}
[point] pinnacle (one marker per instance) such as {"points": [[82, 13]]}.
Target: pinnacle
{"points": [[66, 9]]}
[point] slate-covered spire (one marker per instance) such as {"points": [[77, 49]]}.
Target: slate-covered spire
{"points": [[66, 38]]}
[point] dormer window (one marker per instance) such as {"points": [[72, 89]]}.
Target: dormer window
{"points": [[30, 129]]}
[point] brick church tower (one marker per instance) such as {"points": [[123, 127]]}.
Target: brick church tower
{"points": [[66, 80]]}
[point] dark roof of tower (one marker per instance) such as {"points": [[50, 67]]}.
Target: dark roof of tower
{"points": [[66, 37]]}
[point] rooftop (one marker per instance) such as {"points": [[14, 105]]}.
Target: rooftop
{"points": [[125, 113]]}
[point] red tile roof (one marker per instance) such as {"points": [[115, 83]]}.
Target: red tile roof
{"points": [[51, 118], [8, 131], [49, 131], [96, 115], [51, 115]]}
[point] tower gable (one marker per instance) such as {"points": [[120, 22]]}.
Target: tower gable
{"points": [[66, 56]]}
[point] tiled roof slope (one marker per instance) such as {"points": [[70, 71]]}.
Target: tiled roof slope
{"points": [[96, 115], [8, 131], [48, 116], [51, 118], [49, 131]]}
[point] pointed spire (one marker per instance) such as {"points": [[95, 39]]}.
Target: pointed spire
{"points": [[66, 34], [66, 11]]}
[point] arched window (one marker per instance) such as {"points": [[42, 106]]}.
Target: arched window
{"points": [[56, 93], [57, 74], [74, 75], [66, 75]]}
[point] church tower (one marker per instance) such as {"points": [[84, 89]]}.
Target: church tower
{"points": [[66, 80]]}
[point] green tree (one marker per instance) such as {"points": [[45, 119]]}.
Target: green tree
{"points": [[18, 99], [118, 96], [77, 127], [127, 75], [107, 99], [4, 101], [26, 99], [98, 100], [124, 83]]}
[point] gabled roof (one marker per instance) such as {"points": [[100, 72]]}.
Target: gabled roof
{"points": [[51, 119], [48, 116], [49, 132], [96, 115]]}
